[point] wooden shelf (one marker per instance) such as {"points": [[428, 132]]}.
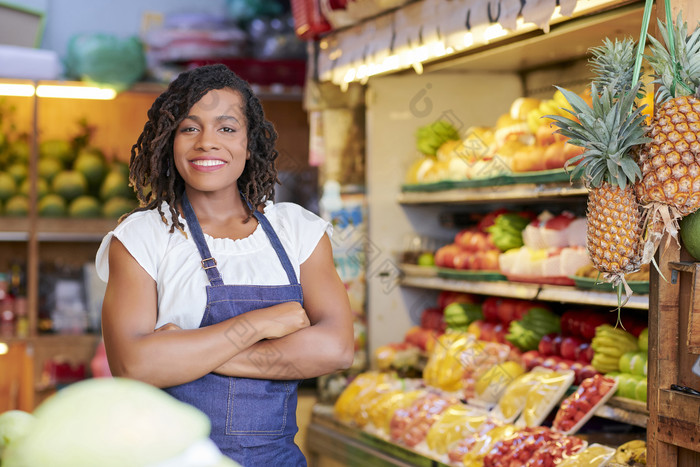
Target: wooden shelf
{"points": [[513, 193], [625, 410], [525, 291], [56, 229]]}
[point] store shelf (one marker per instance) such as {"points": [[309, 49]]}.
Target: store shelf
{"points": [[525, 192], [525, 291], [353, 446], [56, 230], [625, 410]]}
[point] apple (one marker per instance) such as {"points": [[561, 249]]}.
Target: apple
{"points": [[531, 359], [640, 391], [643, 340], [491, 308], [626, 362], [584, 352], [556, 344], [550, 362], [638, 364], [545, 346], [569, 347], [627, 385], [489, 260], [477, 242], [463, 260], [444, 256], [463, 237]]}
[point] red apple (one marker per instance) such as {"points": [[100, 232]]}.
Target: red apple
{"points": [[463, 237], [531, 359], [569, 347], [556, 344], [551, 362], [444, 256], [477, 242], [584, 353], [489, 261], [554, 157], [463, 260], [545, 346]]}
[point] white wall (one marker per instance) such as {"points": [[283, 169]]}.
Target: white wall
{"points": [[64, 18]]}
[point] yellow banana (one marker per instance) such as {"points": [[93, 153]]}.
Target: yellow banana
{"points": [[608, 342]]}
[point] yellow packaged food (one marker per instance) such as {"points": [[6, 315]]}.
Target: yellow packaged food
{"points": [[366, 399], [444, 370], [383, 407], [482, 446], [513, 399], [492, 384], [593, 456], [345, 406], [455, 423], [544, 395]]}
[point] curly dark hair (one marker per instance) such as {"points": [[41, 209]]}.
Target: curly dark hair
{"points": [[152, 170]]}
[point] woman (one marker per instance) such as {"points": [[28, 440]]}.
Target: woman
{"points": [[214, 293]]}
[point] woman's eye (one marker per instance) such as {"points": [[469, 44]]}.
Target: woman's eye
{"points": [[228, 130], [188, 129]]}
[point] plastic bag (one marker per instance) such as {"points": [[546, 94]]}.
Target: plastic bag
{"points": [[444, 369], [106, 60], [410, 426], [455, 423], [346, 406]]}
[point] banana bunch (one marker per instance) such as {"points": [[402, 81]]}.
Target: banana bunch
{"points": [[527, 332], [429, 138], [632, 453], [609, 344], [554, 106]]}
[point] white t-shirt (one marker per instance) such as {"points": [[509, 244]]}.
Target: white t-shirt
{"points": [[174, 262]]}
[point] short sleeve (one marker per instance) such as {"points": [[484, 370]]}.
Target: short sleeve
{"points": [[143, 235], [303, 227]]}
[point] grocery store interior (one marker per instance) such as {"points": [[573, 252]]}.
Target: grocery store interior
{"points": [[512, 186]]}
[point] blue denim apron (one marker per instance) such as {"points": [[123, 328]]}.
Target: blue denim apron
{"points": [[253, 420]]}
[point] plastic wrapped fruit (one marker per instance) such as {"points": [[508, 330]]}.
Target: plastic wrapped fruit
{"points": [[410, 426], [454, 424]]}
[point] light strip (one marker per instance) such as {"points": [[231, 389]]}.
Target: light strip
{"points": [[3, 348], [75, 92], [21, 90]]}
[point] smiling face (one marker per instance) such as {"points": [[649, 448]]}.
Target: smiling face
{"points": [[211, 143]]}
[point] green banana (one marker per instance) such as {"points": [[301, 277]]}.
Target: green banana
{"points": [[609, 351]]}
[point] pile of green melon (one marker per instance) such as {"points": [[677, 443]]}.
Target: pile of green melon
{"points": [[74, 180]]}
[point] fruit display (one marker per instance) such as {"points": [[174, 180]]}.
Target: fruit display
{"points": [[74, 180], [544, 396], [576, 409], [409, 426], [526, 332], [632, 453], [609, 344], [472, 249], [455, 423], [553, 249], [533, 446], [594, 455]]}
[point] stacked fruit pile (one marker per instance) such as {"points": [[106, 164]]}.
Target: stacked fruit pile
{"points": [[521, 140], [74, 180]]}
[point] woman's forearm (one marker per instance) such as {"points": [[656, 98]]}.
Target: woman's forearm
{"points": [[307, 353], [168, 357]]}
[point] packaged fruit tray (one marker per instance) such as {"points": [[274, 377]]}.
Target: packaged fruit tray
{"points": [[470, 274], [590, 283]]}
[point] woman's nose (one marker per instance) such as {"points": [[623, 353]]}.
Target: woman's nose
{"points": [[207, 140]]}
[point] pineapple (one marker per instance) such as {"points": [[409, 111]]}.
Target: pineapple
{"points": [[613, 63], [609, 130], [670, 184]]}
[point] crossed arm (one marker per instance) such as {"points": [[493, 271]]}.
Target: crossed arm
{"points": [[288, 342]]}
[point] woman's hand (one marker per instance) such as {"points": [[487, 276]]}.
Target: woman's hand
{"points": [[278, 320]]}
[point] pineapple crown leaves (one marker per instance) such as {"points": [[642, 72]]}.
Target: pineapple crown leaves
{"points": [[607, 130], [676, 61], [613, 65]]}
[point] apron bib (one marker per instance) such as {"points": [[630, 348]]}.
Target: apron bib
{"points": [[253, 420]]}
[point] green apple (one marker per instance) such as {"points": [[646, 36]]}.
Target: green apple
{"points": [[628, 386], [640, 391], [643, 340], [625, 362], [426, 259], [638, 364]]}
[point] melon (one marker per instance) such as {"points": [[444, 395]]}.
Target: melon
{"points": [[690, 234]]}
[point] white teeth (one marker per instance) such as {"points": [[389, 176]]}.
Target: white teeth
{"points": [[207, 162]]}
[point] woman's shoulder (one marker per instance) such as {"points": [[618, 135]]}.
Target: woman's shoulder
{"points": [[149, 220]]}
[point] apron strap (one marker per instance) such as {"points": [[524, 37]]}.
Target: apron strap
{"points": [[208, 262], [277, 245]]}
